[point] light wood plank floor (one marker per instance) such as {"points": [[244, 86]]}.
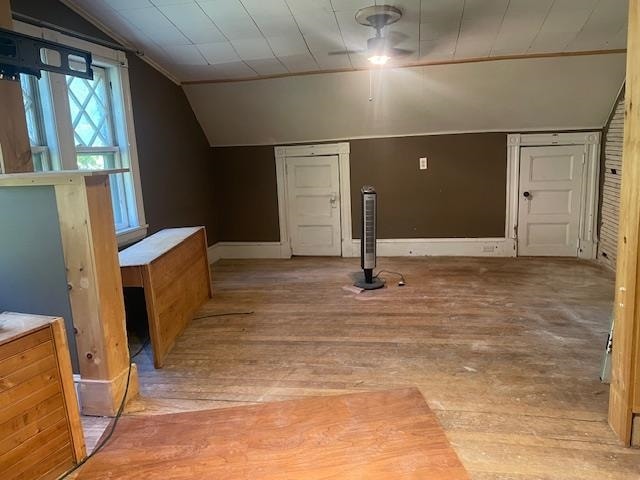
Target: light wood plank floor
{"points": [[507, 353]]}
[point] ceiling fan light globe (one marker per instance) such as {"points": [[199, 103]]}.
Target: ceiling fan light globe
{"points": [[379, 59]]}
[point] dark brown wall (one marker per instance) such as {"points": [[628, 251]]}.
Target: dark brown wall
{"points": [[176, 171], [461, 194], [177, 174], [247, 194]]}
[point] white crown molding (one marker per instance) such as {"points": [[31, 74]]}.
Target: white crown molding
{"points": [[119, 38]]}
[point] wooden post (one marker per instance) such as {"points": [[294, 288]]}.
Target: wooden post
{"points": [[97, 303], [624, 399], [14, 140]]}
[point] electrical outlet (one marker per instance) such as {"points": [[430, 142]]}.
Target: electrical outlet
{"points": [[423, 163]]}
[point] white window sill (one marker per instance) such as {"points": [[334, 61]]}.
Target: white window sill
{"points": [[130, 235]]}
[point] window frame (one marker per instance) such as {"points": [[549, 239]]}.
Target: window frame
{"points": [[61, 139], [41, 98]]}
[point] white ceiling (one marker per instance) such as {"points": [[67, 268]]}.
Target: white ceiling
{"points": [[228, 39]]}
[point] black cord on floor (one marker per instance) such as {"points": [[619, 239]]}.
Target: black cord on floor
{"points": [[402, 281], [106, 438], [142, 347]]}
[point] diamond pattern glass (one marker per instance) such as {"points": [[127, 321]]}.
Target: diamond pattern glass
{"points": [[90, 108]]}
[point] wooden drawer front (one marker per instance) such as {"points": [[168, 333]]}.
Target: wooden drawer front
{"points": [[35, 440]]}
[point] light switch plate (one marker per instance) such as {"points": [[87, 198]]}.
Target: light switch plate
{"points": [[423, 163]]}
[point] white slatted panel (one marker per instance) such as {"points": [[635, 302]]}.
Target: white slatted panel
{"points": [[610, 207]]}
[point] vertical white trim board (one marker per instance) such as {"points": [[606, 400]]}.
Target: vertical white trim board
{"points": [[342, 150], [587, 234]]}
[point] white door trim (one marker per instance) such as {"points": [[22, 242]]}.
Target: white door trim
{"points": [[342, 151], [589, 211]]}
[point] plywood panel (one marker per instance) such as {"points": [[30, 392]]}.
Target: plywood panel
{"points": [[372, 435]]}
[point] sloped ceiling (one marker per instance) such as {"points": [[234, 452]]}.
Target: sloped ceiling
{"points": [[196, 40], [558, 93]]}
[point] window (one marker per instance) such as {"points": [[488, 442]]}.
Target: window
{"points": [[75, 123], [35, 123], [92, 120]]}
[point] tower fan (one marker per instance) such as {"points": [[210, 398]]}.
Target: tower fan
{"points": [[369, 200]]}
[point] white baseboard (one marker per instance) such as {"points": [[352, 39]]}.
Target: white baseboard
{"points": [[247, 250], [388, 247], [466, 247], [213, 253]]}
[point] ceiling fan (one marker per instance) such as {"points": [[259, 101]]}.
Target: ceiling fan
{"points": [[381, 48]]}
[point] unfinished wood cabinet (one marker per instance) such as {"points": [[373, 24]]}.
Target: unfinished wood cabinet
{"points": [[88, 242], [40, 431], [172, 268]]}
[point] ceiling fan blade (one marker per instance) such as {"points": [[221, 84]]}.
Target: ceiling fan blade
{"points": [[400, 52], [394, 38], [347, 52]]}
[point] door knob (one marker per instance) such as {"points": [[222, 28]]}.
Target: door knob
{"points": [[333, 199], [526, 194]]}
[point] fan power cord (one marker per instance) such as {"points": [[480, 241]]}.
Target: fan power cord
{"points": [[106, 438], [402, 281]]}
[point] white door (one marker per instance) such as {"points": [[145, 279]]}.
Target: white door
{"points": [[550, 200], [313, 197]]}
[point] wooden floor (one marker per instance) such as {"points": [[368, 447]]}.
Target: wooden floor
{"points": [[506, 352], [370, 435]]}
